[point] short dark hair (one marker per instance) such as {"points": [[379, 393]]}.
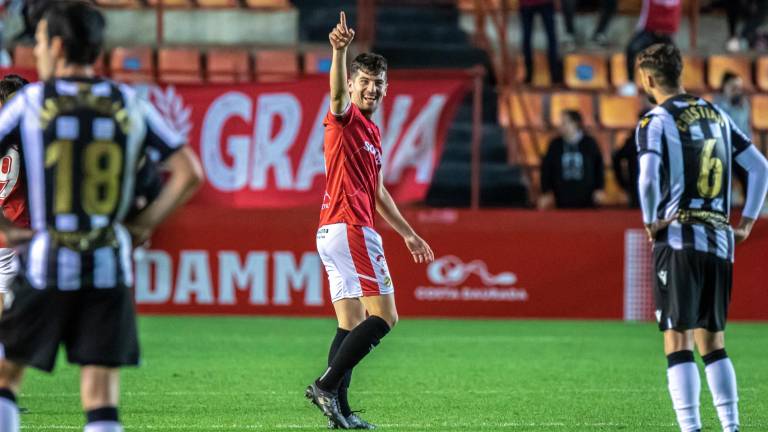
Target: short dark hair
{"points": [[728, 76], [371, 63], [80, 27], [664, 62], [575, 117], [9, 85]]}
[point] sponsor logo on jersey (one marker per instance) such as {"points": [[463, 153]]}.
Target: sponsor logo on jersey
{"points": [[374, 151], [663, 277]]}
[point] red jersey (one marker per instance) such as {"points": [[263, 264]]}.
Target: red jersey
{"points": [[352, 150], [660, 16], [13, 192]]}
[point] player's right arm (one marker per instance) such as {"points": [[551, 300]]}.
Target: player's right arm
{"points": [[648, 137], [749, 158], [340, 37]]}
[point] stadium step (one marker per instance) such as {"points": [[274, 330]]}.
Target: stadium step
{"points": [[458, 145], [501, 185]]}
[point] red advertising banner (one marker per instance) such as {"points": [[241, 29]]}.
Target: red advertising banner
{"points": [[497, 264], [261, 144]]}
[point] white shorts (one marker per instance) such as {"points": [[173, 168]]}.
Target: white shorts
{"points": [[354, 260], [8, 269]]}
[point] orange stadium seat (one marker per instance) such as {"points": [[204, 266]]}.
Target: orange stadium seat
{"points": [[132, 64], [603, 138], [179, 65], [276, 65], [619, 136], [618, 112], [619, 77], [761, 73], [229, 66], [534, 144], [586, 72], [268, 4], [693, 74], [541, 76], [527, 109], [718, 65], [172, 3], [317, 61], [581, 102], [23, 57], [760, 112], [217, 3]]}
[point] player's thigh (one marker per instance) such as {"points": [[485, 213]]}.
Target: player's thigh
{"points": [[103, 331], [382, 306], [11, 375], [99, 387], [707, 341], [677, 288], [349, 312], [678, 340]]}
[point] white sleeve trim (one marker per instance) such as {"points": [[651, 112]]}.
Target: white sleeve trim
{"points": [[649, 187], [344, 111], [757, 180]]}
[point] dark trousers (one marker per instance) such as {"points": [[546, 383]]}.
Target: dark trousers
{"points": [[547, 12], [640, 41], [607, 10]]}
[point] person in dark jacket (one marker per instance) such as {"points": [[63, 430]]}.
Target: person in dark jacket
{"points": [[572, 173]]}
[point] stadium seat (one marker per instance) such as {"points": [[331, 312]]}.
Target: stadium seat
{"points": [[172, 3], [618, 112], [693, 74], [618, 66], [603, 138], [317, 61], [718, 65], [179, 65], [760, 112], [23, 57], [618, 138], [761, 73], [541, 76], [532, 116], [229, 66], [132, 64], [534, 144], [581, 102], [276, 65], [586, 72], [217, 3]]}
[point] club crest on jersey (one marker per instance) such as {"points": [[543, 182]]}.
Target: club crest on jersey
{"points": [[663, 277], [644, 121], [374, 151]]}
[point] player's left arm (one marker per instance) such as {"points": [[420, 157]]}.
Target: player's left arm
{"points": [[387, 208], [10, 133], [748, 157]]}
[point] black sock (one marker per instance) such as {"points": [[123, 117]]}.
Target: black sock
{"points": [[344, 386], [358, 343], [714, 356], [102, 414], [7, 394], [679, 357]]}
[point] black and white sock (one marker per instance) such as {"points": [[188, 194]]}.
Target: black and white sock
{"points": [[721, 378], [103, 420], [684, 388], [358, 343], [9, 411], [344, 386]]}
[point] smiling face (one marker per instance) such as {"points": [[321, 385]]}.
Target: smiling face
{"points": [[368, 90]]}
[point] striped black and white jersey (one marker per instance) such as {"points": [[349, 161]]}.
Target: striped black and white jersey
{"points": [[81, 140], [697, 143]]}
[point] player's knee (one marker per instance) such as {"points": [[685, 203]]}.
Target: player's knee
{"points": [[99, 387], [10, 375], [391, 318]]}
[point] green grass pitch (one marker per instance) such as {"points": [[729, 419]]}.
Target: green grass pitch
{"points": [[245, 374]]}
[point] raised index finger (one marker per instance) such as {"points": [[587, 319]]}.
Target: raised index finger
{"points": [[343, 20]]}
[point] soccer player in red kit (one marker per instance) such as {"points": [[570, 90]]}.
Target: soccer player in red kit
{"points": [[348, 244], [12, 192]]}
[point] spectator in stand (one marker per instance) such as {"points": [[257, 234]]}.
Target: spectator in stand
{"points": [[659, 21], [733, 101], [528, 11], [753, 13], [599, 37], [572, 173]]}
